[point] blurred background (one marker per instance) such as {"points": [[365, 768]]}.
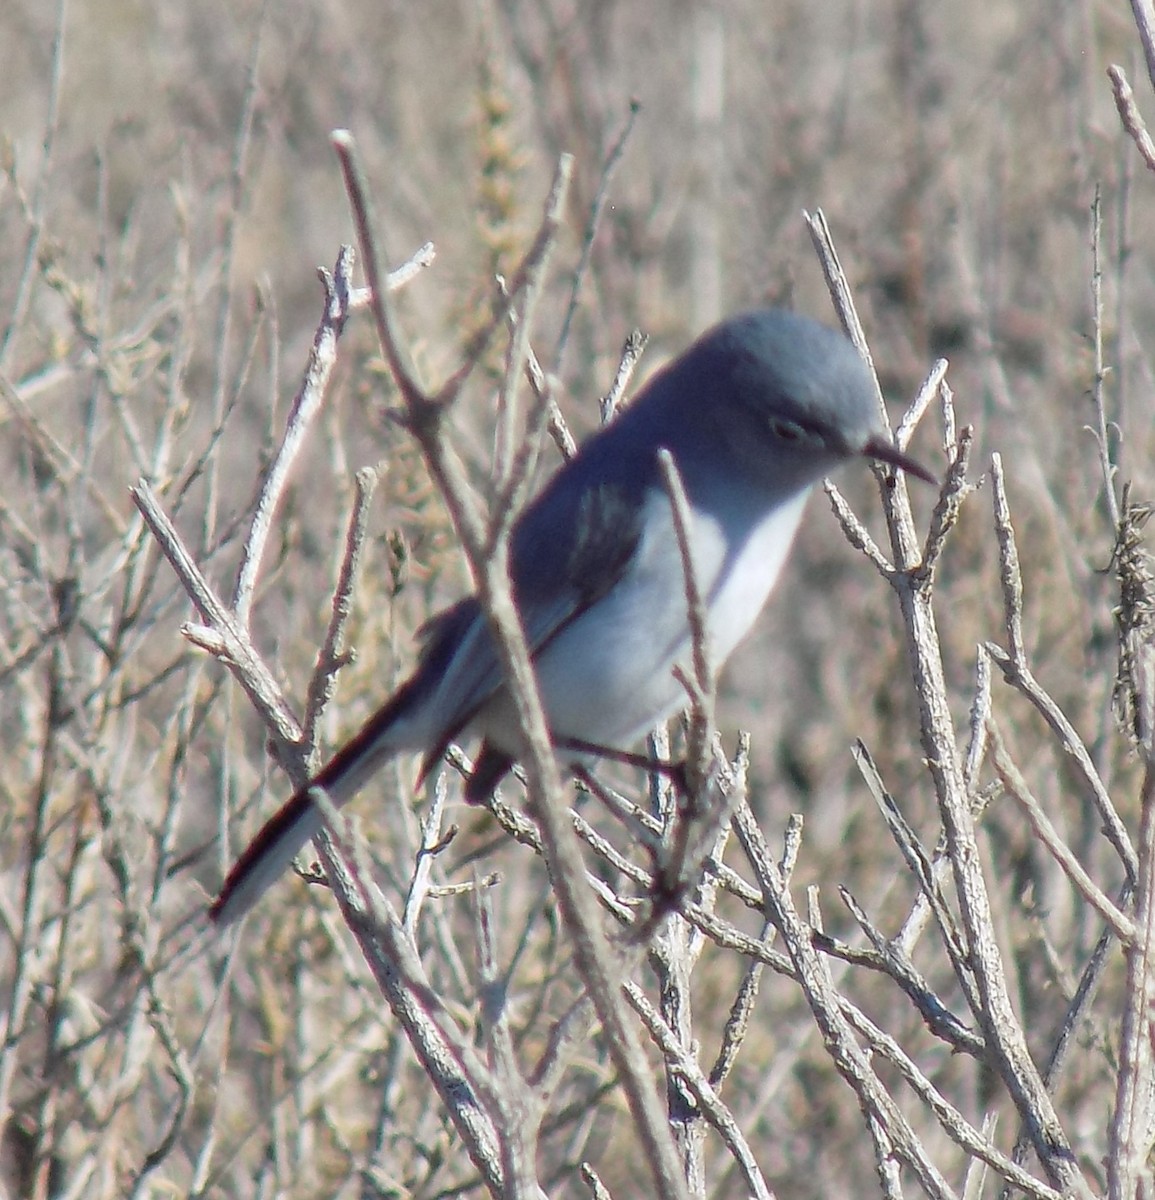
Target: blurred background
{"points": [[168, 193]]}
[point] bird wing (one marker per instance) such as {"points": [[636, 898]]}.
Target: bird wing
{"points": [[570, 548]]}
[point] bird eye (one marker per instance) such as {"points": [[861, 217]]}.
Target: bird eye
{"points": [[788, 431]]}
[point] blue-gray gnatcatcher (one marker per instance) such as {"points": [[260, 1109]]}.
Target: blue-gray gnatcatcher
{"points": [[754, 414]]}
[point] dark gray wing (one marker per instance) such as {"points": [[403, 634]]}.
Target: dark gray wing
{"points": [[569, 548]]}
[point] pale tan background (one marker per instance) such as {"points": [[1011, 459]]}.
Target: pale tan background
{"points": [[956, 152]]}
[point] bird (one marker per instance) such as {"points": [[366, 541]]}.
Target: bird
{"points": [[754, 414]]}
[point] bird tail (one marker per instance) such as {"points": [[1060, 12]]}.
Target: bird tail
{"points": [[283, 836]]}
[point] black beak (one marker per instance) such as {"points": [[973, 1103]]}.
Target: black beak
{"points": [[880, 447]]}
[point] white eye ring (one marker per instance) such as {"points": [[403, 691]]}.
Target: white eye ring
{"points": [[791, 431]]}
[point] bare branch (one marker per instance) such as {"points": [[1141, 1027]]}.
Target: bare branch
{"points": [[931, 387], [855, 532], [846, 1055], [1129, 113], [701, 686], [1132, 1130], [613, 158], [1016, 785], [331, 657], [306, 405], [705, 1097], [1101, 430], [1020, 677], [449, 1059], [632, 351], [236, 650], [994, 1010], [488, 561]]}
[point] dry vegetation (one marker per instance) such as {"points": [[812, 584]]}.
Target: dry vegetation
{"points": [[945, 993]]}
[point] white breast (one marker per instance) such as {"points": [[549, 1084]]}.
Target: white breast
{"points": [[608, 678]]}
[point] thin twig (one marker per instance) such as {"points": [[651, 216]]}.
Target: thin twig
{"points": [[701, 686], [845, 1053], [542, 387], [979, 712], [234, 647], [1131, 1130], [707, 1099], [1100, 430], [855, 532], [519, 1113], [596, 209], [893, 959], [1045, 831], [389, 334], [1022, 679], [632, 350], [447, 1056], [738, 1018], [931, 387], [433, 840], [957, 1127], [1129, 114], [42, 188], [948, 508], [331, 656], [920, 866], [306, 405]]}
